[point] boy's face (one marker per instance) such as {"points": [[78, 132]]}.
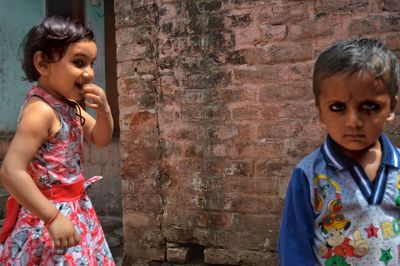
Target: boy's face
{"points": [[354, 109], [64, 77]]}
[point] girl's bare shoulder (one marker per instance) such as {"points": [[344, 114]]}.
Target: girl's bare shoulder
{"points": [[38, 116]]}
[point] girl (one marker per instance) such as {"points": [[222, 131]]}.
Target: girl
{"points": [[50, 219]]}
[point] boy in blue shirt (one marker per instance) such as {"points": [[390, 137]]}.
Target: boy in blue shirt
{"points": [[342, 205]]}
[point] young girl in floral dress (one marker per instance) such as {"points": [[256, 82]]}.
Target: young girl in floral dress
{"points": [[49, 217]]}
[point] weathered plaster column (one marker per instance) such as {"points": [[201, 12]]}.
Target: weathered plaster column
{"points": [[138, 83]]}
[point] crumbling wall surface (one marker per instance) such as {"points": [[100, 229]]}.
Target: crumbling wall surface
{"points": [[216, 109]]}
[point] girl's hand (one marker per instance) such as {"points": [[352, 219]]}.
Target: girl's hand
{"points": [[95, 98], [63, 232], [97, 131]]}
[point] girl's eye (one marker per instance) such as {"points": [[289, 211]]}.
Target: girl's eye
{"points": [[337, 107], [370, 106], [79, 63]]}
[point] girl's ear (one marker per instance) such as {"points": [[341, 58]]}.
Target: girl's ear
{"points": [[392, 109], [41, 63]]}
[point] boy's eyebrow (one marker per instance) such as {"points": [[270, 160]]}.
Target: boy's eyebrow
{"points": [[334, 101]]}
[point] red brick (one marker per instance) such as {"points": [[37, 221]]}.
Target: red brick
{"points": [[131, 68], [228, 257], [248, 36], [140, 243], [248, 186], [259, 75], [280, 14], [341, 6], [223, 132], [275, 167], [307, 29], [289, 53], [282, 129], [245, 113], [391, 5], [270, 149], [273, 33], [299, 110], [225, 168], [281, 92], [393, 42]]}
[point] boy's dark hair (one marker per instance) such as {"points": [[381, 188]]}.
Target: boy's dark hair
{"points": [[355, 55], [52, 37]]}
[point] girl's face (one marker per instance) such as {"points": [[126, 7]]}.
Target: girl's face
{"points": [[65, 77], [354, 109]]}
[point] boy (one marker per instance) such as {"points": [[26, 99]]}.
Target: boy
{"points": [[342, 205]]}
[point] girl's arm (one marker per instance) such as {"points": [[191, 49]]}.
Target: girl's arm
{"points": [[37, 122], [97, 131], [296, 235], [33, 129]]}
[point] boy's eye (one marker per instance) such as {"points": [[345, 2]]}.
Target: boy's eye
{"points": [[337, 107], [370, 106]]}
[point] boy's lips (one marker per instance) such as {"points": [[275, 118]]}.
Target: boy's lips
{"points": [[354, 136]]}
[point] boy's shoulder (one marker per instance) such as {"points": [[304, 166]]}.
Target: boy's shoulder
{"points": [[312, 160], [393, 145]]}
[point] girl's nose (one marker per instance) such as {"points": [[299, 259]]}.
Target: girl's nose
{"points": [[353, 119], [87, 75]]}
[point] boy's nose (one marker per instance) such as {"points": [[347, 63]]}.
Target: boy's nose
{"points": [[353, 119]]}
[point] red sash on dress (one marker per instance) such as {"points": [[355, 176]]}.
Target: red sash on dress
{"points": [[57, 193]]}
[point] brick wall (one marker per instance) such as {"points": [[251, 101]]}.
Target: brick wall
{"points": [[216, 109]]}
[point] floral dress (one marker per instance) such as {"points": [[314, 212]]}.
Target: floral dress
{"points": [[58, 162]]}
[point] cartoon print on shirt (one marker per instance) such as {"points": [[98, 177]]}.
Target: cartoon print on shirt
{"points": [[338, 245], [397, 200], [372, 231], [334, 205], [386, 256]]}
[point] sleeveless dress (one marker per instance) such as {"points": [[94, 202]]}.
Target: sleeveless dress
{"points": [[58, 161]]}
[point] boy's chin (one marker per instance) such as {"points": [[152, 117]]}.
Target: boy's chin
{"points": [[357, 148]]}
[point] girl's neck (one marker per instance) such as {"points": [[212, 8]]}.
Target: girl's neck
{"points": [[46, 88], [53, 93]]}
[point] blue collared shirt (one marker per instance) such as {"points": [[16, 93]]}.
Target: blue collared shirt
{"points": [[297, 233]]}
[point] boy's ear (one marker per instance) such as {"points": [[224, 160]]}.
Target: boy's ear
{"points": [[319, 111], [41, 63], [392, 109]]}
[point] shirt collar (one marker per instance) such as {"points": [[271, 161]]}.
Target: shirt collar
{"points": [[334, 156]]}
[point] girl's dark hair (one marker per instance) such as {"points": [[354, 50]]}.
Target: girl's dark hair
{"points": [[355, 55], [52, 37]]}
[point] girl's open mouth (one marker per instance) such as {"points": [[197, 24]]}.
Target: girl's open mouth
{"points": [[79, 85]]}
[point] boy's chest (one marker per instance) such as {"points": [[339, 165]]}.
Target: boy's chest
{"points": [[356, 221]]}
